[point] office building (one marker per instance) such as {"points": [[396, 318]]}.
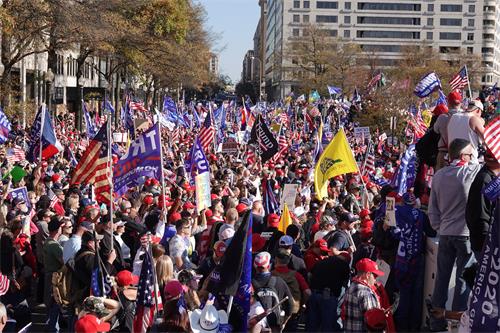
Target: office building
{"points": [[213, 65]]}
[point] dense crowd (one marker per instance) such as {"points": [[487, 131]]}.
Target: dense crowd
{"points": [[84, 261]]}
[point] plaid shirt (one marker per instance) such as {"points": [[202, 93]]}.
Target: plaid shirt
{"points": [[358, 299]]}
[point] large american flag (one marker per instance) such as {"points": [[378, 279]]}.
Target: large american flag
{"points": [[492, 137], [94, 166], [369, 166], [138, 106], [15, 154], [144, 314], [207, 132], [282, 145], [460, 80]]}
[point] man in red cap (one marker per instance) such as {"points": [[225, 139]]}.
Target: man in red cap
{"points": [[441, 126], [272, 234], [360, 296]]}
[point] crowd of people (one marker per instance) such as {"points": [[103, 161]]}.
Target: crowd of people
{"points": [[85, 261]]}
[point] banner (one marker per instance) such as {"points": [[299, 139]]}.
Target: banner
{"points": [[267, 146], [362, 132], [405, 176], [141, 159], [140, 125], [203, 199], [230, 146], [120, 137], [288, 196], [22, 193], [427, 85]]}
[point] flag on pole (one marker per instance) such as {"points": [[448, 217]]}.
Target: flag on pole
{"points": [[43, 137], [427, 85], [334, 90], [4, 284], [93, 167], [406, 173], [271, 205], [336, 159], [207, 132], [91, 130], [492, 137], [145, 305], [15, 154], [285, 219], [460, 80], [262, 136], [5, 127], [369, 166]]}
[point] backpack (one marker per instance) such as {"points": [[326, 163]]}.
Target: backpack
{"points": [[427, 147], [267, 295], [62, 281], [292, 283]]}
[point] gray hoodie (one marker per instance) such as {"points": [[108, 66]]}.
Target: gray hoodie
{"points": [[449, 192]]}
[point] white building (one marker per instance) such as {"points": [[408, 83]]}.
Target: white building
{"points": [[213, 65], [382, 28]]}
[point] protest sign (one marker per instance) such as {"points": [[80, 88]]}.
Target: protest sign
{"points": [[230, 146], [120, 137], [390, 212], [202, 182], [362, 132], [22, 193], [288, 196]]}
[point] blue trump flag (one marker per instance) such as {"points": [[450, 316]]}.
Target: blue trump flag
{"points": [[483, 310], [91, 129], [5, 127], [142, 159], [427, 85], [271, 205], [405, 176], [334, 90], [196, 162]]}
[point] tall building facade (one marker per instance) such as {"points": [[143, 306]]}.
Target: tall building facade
{"points": [[383, 28], [213, 65]]}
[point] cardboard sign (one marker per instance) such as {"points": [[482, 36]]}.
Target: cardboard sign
{"points": [[230, 146], [390, 212], [288, 196], [120, 137], [202, 182], [492, 189], [362, 132]]}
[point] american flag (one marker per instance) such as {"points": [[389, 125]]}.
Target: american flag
{"points": [[282, 145], [369, 164], [94, 166], [144, 313], [250, 156], [15, 154], [284, 119], [138, 106], [175, 135], [55, 203], [4, 284], [492, 137], [460, 80], [207, 132]]}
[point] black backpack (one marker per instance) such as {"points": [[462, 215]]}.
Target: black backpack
{"points": [[427, 147], [268, 297]]}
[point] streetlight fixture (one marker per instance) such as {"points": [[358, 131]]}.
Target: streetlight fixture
{"points": [[260, 75], [81, 85], [49, 78]]}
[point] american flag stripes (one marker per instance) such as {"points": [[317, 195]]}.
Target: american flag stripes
{"points": [[492, 137], [55, 203], [251, 157], [15, 154], [369, 166], [138, 106], [4, 284], [460, 80], [207, 132], [94, 166], [5, 127], [144, 313]]}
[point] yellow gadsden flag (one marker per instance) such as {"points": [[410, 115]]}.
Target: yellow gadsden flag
{"points": [[336, 159], [285, 219]]}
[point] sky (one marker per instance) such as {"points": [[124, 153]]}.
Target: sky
{"points": [[234, 23]]}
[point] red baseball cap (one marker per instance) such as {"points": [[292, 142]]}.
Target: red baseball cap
{"points": [[273, 220], [188, 205], [91, 324], [56, 177], [367, 224], [173, 289], [375, 319], [455, 97], [241, 207], [174, 217], [322, 245], [368, 266], [148, 200], [126, 278], [258, 242], [364, 213], [209, 213], [440, 109]]}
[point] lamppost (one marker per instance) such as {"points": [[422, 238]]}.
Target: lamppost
{"points": [[260, 75], [81, 85], [105, 85], [49, 78]]}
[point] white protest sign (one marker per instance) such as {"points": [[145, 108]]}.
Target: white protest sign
{"points": [[202, 182], [120, 137], [362, 132], [390, 212], [288, 196]]}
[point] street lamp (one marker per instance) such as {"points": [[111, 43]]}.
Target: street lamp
{"points": [[260, 75], [81, 85], [49, 78]]}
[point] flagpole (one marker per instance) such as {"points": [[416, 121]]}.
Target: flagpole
{"points": [[468, 81], [111, 187], [162, 177], [41, 131]]}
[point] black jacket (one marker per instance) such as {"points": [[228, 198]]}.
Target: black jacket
{"points": [[479, 210]]}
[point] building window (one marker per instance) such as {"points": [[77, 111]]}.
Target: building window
{"points": [[381, 48], [347, 6], [470, 50], [388, 34], [488, 50], [488, 36], [389, 6], [305, 32], [307, 4], [430, 7], [470, 36], [470, 22], [347, 19], [296, 4], [327, 4], [450, 22], [450, 35], [430, 36], [305, 18], [451, 8], [296, 18], [295, 32], [389, 20], [347, 33], [331, 32], [326, 19], [430, 21], [472, 8], [449, 49], [488, 23]]}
